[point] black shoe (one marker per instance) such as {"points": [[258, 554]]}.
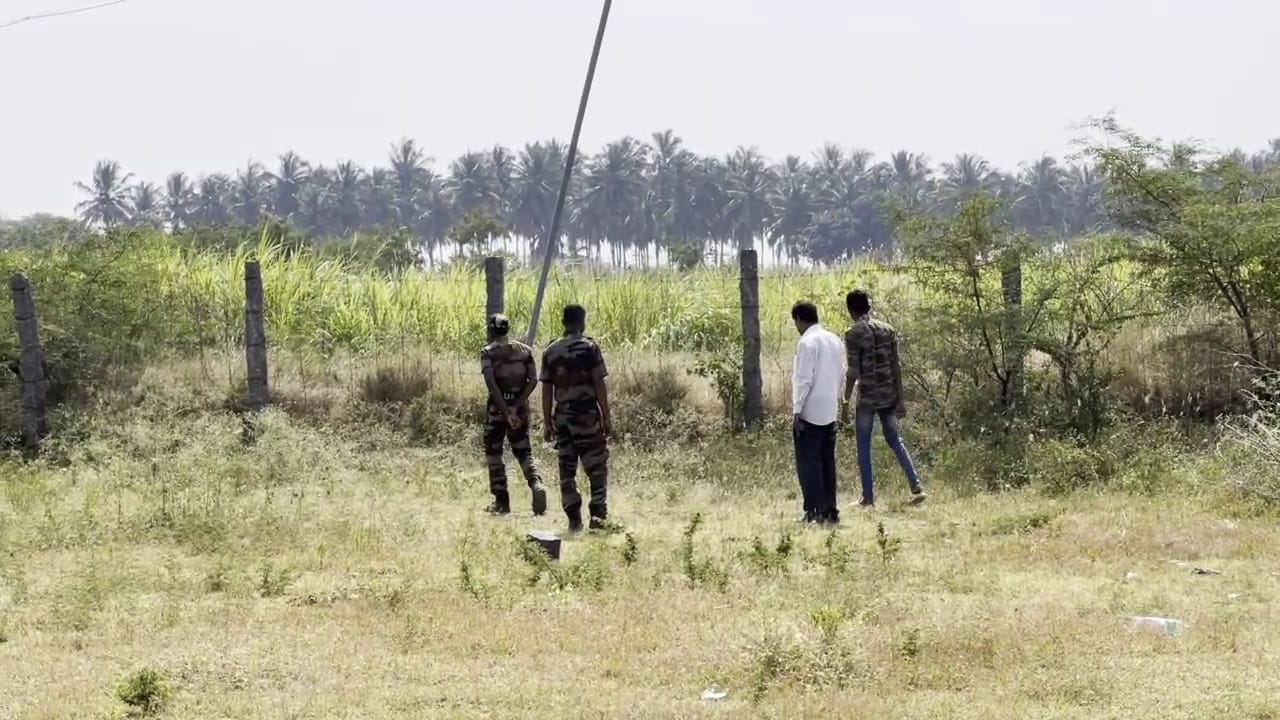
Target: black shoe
{"points": [[539, 498], [865, 503], [918, 496], [810, 518], [832, 517], [575, 521], [501, 505], [607, 526]]}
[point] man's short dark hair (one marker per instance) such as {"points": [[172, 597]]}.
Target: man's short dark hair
{"points": [[805, 312], [574, 316], [859, 303]]}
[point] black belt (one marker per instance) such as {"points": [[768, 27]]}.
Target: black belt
{"points": [[579, 405]]}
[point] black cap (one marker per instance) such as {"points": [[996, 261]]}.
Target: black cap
{"points": [[499, 324]]}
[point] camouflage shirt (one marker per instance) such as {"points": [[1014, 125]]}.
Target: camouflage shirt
{"points": [[510, 362], [571, 364], [872, 349]]}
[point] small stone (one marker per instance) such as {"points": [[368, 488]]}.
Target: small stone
{"points": [[714, 694]]}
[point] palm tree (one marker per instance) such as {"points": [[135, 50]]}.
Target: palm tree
{"points": [[750, 184], [145, 199], [437, 215], [108, 202], [710, 195], [409, 169], [907, 178], [536, 187], [966, 172], [249, 194], [471, 184], [315, 200], [286, 185], [502, 166], [212, 207], [609, 208], [1041, 207], [379, 199], [793, 207], [672, 187], [347, 191], [1084, 202], [179, 200]]}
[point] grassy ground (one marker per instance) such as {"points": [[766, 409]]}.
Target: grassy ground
{"points": [[327, 573]]}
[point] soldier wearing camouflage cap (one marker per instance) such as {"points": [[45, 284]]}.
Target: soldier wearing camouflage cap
{"points": [[573, 379], [510, 375]]}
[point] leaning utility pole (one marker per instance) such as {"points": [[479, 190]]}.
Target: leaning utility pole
{"points": [[553, 236]]}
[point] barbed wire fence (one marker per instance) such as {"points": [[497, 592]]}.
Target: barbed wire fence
{"points": [[252, 343]]}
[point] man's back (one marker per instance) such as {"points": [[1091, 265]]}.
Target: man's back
{"points": [[509, 360], [872, 347], [570, 365], [818, 375]]}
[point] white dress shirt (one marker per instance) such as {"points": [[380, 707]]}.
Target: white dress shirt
{"points": [[817, 376]]}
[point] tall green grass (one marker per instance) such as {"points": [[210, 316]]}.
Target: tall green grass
{"points": [[178, 299], [325, 305]]}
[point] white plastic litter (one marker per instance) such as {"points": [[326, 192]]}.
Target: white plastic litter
{"points": [[714, 694], [1164, 626]]}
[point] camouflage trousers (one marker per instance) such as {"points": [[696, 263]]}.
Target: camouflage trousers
{"points": [[497, 430], [580, 437]]}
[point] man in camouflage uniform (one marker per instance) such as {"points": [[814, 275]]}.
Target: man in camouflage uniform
{"points": [[573, 378], [874, 367], [510, 376]]}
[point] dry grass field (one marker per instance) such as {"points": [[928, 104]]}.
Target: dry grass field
{"points": [[157, 566]]}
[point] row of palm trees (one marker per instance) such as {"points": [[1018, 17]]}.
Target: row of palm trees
{"points": [[633, 202]]}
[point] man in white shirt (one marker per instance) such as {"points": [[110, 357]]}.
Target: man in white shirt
{"points": [[816, 382]]}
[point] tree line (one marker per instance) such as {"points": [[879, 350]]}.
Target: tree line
{"points": [[634, 202]]}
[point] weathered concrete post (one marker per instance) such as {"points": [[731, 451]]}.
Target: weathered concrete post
{"points": [[752, 380], [255, 336], [494, 286], [30, 367]]}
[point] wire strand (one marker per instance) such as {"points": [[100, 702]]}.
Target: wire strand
{"points": [[61, 13]]}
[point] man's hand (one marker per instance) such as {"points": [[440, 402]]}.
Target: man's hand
{"points": [[901, 410], [796, 424], [513, 419], [548, 433], [844, 413], [606, 424]]}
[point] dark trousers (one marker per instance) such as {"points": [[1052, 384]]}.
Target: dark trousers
{"points": [[496, 431], [816, 467], [580, 438]]}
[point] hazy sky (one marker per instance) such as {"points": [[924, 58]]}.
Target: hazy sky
{"points": [[204, 85]]}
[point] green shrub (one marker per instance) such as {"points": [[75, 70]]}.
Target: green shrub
{"points": [[395, 385], [436, 418], [144, 692], [650, 409], [1061, 466]]}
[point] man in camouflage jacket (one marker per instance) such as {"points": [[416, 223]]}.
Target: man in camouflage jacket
{"points": [[510, 376], [876, 371], [573, 379]]}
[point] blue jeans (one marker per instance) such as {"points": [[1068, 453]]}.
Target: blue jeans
{"points": [[865, 425]]}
